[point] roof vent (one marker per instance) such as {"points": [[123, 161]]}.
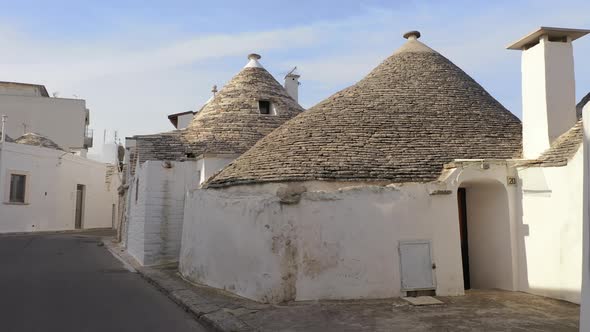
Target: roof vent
{"points": [[412, 35], [253, 57]]}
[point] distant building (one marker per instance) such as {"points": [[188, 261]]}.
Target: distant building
{"points": [[46, 181], [31, 110], [181, 120]]}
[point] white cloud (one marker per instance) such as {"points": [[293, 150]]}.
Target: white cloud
{"points": [[132, 86], [76, 63]]}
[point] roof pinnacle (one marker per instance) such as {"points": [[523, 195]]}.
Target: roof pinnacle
{"points": [[412, 35], [253, 63], [254, 56]]}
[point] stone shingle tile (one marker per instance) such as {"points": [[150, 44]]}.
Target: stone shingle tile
{"points": [[230, 123], [412, 114]]}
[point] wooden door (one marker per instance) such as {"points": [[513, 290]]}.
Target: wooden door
{"points": [[79, 206]]}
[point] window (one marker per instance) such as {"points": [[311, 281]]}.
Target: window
{"points": [[18, 183], [264, 106]]}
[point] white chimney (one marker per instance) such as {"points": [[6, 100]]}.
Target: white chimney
{"points": [[548, 86], [3, 130], [292, 84]]}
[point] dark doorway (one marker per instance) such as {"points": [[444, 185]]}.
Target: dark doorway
{"points": [[79, 205], [113, 214], [462, 200]]}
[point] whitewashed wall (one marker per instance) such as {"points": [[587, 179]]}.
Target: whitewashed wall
{"points": [[332, 244], [489, 239], [211, 164], [550, 237], [136, 214], [53, 176], [585, 308], [342, 243], [156, 210], [184, 120], [61, 120]]}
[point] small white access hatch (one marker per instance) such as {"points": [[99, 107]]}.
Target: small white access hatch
{"points": [[416, 265]]}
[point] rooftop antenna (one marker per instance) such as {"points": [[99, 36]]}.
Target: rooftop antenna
{"points": [[292, 71]]}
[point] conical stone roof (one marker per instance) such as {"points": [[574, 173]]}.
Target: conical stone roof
{"points": [[231, 122], [35, 139], [401, 123]]}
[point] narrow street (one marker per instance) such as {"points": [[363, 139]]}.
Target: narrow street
{"points": [[67, 282]]}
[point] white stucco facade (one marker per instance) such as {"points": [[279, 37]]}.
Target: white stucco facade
{"points": [[489, 239], [551, 230], [155, 209], [184, 120], [340, 241], [585, 308], [62, 120], [156, 205], [52, 179]]}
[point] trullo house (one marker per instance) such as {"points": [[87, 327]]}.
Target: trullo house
{"points": [[415, 180], [163, 167]]}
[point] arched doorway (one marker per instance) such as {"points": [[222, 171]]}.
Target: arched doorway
{"points": [[484, 221]]}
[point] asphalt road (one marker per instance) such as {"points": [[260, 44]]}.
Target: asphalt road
{"points": [[66, 282]]}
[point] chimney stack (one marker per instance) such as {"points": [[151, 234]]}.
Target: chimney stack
{"points": [[548, 86], [292, 84], [3, 132]]}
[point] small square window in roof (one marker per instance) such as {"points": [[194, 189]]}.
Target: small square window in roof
{"points": [[264, 106]]}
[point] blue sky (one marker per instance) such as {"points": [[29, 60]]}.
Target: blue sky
{"points": [[137, 61]]}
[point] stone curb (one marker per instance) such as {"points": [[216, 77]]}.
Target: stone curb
{"points": [[208, 313], [205, 312], [84, 231]]}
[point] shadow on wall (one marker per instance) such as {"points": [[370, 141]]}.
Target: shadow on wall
{"points": [[549, 224], [522, 231], [485, 235], [524, 238]]}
